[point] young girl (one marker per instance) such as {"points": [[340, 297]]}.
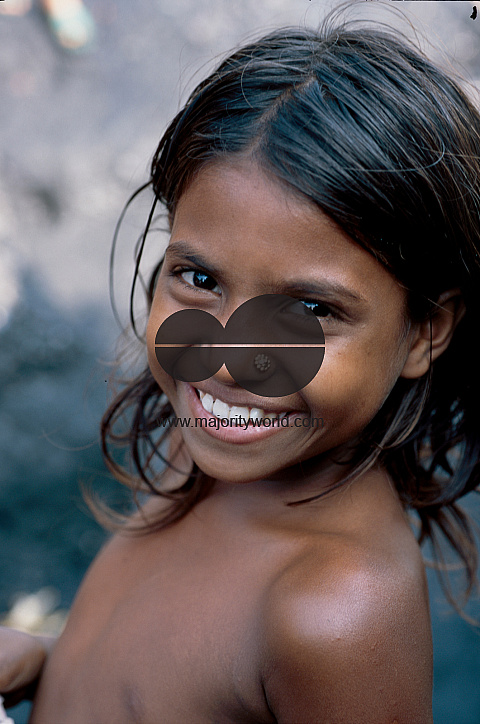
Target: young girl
{"points": [[274, 575]]}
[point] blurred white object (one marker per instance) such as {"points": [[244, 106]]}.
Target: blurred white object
{"points": [[30, 610], [4, 719], [9, 284]]}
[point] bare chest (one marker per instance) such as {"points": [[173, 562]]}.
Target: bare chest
{"points": [[179, 640]]}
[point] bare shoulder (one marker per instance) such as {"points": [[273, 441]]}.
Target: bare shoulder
{"points": [[347, 636]]}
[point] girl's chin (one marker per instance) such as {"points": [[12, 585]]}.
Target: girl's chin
{"points": [[229, 473], [243, 468]]}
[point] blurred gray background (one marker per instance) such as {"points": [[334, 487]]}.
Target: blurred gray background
{"points": [[77, 132]]}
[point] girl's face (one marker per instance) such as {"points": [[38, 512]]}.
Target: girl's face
{"points": [[237, 234]]}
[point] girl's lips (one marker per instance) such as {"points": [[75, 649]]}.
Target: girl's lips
{"points": [[230, 400], [231, 433]]}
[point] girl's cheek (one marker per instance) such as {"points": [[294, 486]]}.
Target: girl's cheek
{"points": [[164, 381], [153, 326], [151, 333], [350, 384]]}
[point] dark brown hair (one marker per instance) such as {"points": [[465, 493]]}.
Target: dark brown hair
{"points": [[388, 145]]}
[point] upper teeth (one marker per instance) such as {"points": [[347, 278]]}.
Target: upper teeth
{"points": [[220, 409]]}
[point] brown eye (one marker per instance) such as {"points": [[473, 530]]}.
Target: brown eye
{"points": [[320, 309], [198, 279]]}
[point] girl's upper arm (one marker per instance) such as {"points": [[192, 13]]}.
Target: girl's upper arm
{"points": [[351, 651]]}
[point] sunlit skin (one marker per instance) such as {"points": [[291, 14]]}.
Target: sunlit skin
{"points": [[248, 609], [255, 237]]}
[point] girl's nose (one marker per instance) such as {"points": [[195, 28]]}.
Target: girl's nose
{"points": [[245, 366], [224, 377]]}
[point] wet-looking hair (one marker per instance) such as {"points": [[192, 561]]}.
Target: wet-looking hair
{"points": [[388, 145]]}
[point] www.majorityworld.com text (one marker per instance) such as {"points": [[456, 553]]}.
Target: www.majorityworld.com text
{"points": [[243, 422]]}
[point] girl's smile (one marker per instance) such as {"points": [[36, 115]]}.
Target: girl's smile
{"points": [[230, 423], [237, 234]]}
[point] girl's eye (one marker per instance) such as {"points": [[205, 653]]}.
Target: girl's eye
{"points": [[198, 279], [320, 309]]}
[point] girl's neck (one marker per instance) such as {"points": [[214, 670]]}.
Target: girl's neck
{"points": [[268, 503]]}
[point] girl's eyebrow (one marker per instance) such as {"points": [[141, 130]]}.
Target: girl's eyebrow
{"points": [[181, 248], [327, 289]]}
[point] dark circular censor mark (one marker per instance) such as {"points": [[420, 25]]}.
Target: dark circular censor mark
{"points": [[191, 345]]}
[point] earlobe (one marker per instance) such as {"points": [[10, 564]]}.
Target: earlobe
{"points": [[432, 337]]}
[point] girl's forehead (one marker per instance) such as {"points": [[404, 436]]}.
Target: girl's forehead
{"points": [[249, 173], [243, 190]]}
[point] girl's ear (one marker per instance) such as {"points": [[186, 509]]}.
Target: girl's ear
{"points": [[440, 327]]}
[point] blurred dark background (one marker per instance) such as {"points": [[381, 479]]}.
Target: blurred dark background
{"points": [[77, 131]]}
